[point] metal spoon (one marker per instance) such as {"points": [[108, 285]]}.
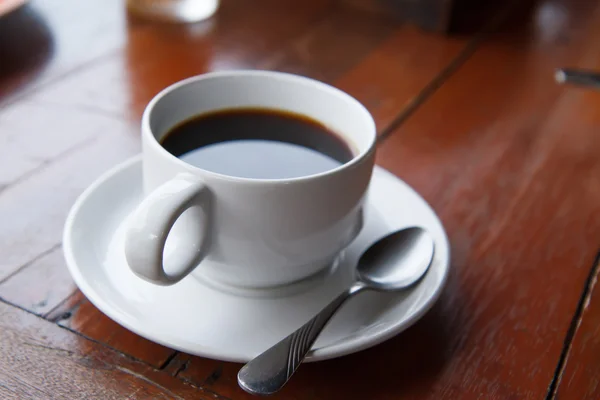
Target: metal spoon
{"points": [[395, 262], [578, 77]]}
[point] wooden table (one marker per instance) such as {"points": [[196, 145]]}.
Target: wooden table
{"points": [[473, 121]]}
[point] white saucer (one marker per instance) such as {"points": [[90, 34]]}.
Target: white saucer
{"points": [[198, 319]]}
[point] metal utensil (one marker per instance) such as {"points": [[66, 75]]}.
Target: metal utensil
{"points": [[578, 77], [395, 262]]}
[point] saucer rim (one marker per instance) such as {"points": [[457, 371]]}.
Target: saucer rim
{"points": [[337, 349]]}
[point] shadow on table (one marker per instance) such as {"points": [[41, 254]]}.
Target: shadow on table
{"points": [[472, 16], [26, 44], [406, 364], [409, 364]]}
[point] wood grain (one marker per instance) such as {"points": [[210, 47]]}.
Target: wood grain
{"points": [[506, 157], [42, 198], [77, 314], [48, 268], [59, 37], [331, 46], [390, 79], [41, 361], [93, 114], [432, 15], [494, 151], [47, 39], [157, 55], [578, 375], [512, 170], [580, 378]]}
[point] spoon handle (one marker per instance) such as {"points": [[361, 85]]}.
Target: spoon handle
{"points": [[269, 372], [578, 77]]}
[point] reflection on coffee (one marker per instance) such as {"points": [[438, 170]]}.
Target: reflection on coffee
{"points": [[257, 143]]}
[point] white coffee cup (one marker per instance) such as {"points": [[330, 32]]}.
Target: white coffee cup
{"points": [[251, 233]]}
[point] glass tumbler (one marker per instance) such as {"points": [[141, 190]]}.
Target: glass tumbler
{"points": [[184, 11]]}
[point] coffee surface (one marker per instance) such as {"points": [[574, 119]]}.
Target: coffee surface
{"points": [[257, 143]]}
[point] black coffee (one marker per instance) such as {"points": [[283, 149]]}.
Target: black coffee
{"points": [[257, 143]]}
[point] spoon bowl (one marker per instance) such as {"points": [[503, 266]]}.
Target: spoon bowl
{"points": [[397, 261]]}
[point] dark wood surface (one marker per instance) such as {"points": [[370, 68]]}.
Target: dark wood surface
{"points": [[473, 121], [433, 15]]}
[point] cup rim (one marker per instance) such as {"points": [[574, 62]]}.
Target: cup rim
{"points": [[284, 76]]}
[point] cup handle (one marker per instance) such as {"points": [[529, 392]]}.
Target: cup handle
{"points": [[151, 223]]}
